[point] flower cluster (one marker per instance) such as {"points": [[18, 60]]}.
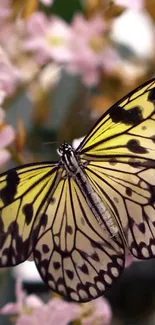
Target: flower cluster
{"points": [[31, 310], [9, 79]]}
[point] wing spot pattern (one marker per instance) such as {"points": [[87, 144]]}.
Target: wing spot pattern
{"points": [[28, 212], [74, 296], [145, 252], [153, 249], [107, 279], [7, 194], [83, 294], [82, 221], [134, 251], [151, 95], [44, 219], [113, 161], [131, 116], [56, 265], [62, 289], [69, 229], [134, 146], [70, 274], [92, 291], [95, 257], [52, 200], [129, 191], [52, 284], [114, 271], [45, 249], [100, 286], [142, 228], [116, 199], [119, 261], [84, 269]]}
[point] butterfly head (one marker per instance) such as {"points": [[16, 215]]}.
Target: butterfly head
{"points": [[65, 149], [68, 158]]}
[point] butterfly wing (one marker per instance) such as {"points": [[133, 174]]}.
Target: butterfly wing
{"points": [[74, 255], [119, 155], [24, 193], [43, 212]]}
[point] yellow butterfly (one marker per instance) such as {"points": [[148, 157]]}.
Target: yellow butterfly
{"points": [[79, 215]]}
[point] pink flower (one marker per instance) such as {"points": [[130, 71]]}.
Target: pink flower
{"points": [[56, 311], [23, 304], [129, 259], [7, 135], [47, 2], [32, 310], [49, 39], [9, 76], [80, 47], [90, 51], [130, 4], [5, 9], [97, 312]]}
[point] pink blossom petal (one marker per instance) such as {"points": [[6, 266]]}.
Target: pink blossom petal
{"points": [[109, 59], [37, 24], [27, 320], [4, 156], [33, 301], [90, 78], [128, 261], [131, 4], [9, 77], [88, 28], [10, 308], [47, 2], [5, 9], [20, 293], [101, 313], [7, 135]]}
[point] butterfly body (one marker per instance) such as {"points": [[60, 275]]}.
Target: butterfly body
{"points": [[78, 216], [74, 168]]}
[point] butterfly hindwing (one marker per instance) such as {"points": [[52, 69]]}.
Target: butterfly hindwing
{"points": [[130, 197], [120, 157], [74, 255]]}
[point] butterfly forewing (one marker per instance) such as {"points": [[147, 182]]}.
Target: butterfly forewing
{"points": [[74, 255], [24, 193], [126, 129]]}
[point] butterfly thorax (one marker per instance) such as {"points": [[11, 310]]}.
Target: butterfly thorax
{"points": [[74, 168], [69, 159]]}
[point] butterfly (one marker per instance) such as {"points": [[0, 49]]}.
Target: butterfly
{"points": [[79, 215]]}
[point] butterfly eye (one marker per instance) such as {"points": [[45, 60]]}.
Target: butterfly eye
{"points": [[60, 151]]}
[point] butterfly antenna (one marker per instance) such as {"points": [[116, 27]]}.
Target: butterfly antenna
{"points": [[52, 142]]}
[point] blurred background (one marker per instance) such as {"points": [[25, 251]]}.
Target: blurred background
{"points": [[63, 63]]}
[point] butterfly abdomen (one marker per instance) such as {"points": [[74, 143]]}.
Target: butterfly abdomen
{"points": [[99, 209]]}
